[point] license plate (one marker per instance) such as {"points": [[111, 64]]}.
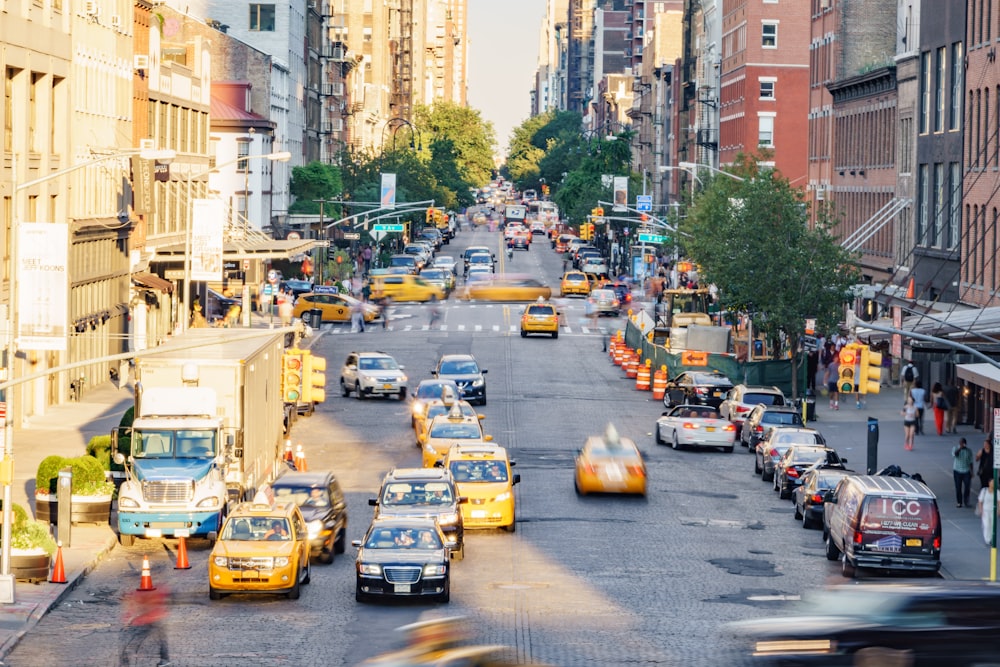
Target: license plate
{"points": [[154, 532], [478, 514], [387, 386], [716, 393], [914, 542], [710, 429], [182, 532], [401, 588]]}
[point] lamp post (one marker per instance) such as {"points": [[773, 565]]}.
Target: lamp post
{"points": [[283, 156], [12, 324], [693, 167], [395, 124]]}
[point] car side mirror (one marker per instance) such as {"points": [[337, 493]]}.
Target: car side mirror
{"points": [[462, 500], [512, 463], [487, 438], [828, 497], [434, 373], [481, 416], [355, 543], [373, 501], [119, 458], [484, 371], [517, 479], [843, 460], [213, 536], [402, 368]]}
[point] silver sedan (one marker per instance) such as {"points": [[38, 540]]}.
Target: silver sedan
{"points": [[695, 426]]}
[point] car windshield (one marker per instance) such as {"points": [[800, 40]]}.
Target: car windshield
{"points": [[430, 389], [303, 496], [257, 528], [541, 310], [438, 410], [480, 259], [709, 378], [810, 455], [781, 418], [449, 431], [459, 368], [377, 364], [416, 493], [403, 538], [795, 438], [478, 471]]}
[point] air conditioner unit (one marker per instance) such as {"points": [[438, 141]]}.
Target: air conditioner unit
{"points": [[824, 4], [116, 21], [90, 8], [147, 144], [140, 61], [338, 89], [820, 192]]}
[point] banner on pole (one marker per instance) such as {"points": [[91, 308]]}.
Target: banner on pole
{"points": [[388, 198], [207, 218], [621, 194], [43, 285]]}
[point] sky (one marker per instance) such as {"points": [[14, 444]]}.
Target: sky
{"points": [[503, 56]]}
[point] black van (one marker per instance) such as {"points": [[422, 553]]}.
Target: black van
{"points": [[885, 523], [321, 500]]}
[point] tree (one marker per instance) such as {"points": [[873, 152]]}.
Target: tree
{"points": [[472, 137], [316, 180], [752, 239]]}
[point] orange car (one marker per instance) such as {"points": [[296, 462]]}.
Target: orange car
{"points": [[610, 464]]}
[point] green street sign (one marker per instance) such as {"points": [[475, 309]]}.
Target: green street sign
{"points": [[388, 227], [652, 238]]}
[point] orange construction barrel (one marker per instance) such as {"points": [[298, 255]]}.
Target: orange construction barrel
{"points": [[660, 383], [620, 350], [642, 376], [632, 365], [612, 344]]}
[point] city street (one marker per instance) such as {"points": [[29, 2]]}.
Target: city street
{"points": [[582, 581]]}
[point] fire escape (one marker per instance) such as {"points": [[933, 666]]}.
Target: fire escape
{"points": [[334, 92], [707, 137], [401, 97]]}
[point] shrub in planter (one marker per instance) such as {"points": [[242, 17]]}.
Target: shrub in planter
{"points": [[89, 478], [30, 535], [48, 474], [100, 448]]}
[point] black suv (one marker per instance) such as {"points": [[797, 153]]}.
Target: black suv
{"points": [[423, 492], [321, 501], [464, 370]]}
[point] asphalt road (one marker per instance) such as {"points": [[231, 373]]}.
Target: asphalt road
{"points": [[582, 581]]}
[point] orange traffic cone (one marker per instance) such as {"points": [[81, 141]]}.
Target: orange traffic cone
{"points": [[911, 292], [58, 570], [288, 451], [146, 583], [300, 459], [182, 555]]}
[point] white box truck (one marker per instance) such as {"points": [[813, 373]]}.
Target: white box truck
{"points": [[208, 430]]}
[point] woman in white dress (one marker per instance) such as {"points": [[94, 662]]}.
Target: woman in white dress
{"points": [[986, 511]]}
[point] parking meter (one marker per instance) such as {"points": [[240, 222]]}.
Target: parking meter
{"points": [[64, 497]]}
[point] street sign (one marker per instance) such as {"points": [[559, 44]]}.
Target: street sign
{"points": [[377, 234], [644, 202], [388, 227], [352, 236], [272, 277], [651, 238]]}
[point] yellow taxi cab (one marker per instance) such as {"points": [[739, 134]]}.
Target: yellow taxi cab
{"points": [[482, 473], [505, 287], [575, 282], [540, 317], [610, 463], [404, 287], [448, 429], [263, 548], [435, 408], [335, 307]]}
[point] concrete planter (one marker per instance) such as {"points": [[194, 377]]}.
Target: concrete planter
{"points": [[86, 509], [32, 567]]}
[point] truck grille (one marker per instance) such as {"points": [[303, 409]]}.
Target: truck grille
{"points": [[251, 563], [168, 491], [402, 575]]}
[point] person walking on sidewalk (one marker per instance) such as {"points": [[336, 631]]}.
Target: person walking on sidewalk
{"points": [[961, 466], [984, 462], [909, 423], [987, 512], [940, 405], [919, 395], [951, 417], [909, 376]]}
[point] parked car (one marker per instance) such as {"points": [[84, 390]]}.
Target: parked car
{"points": [[697, 388], [776, 440], [742, 398], [695, 426], [763, 417], [809, 495], [788, 469]]}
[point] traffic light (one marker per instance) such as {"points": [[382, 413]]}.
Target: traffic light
{"points": [[314, 383], [846, 374], [430, 216], [545, 189], [597, 212], [870, 379], [590, 231], [291, 375]]}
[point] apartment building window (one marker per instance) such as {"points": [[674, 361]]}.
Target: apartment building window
{"points": [[765, 130], [8, 108], [925, 92], [957, 86], [936, 236], [242, 151], [33, 120], [769, 35], [767, 89], [924, 186], [940, 89], [262, 18]]}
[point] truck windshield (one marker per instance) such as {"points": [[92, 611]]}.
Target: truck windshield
{"points": [[189, 444]]}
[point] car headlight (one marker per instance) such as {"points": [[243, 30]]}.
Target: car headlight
{"points": [[478, 382], [127, 503], [431, 570], [403, 379], [418, 408], [221, 561], [370, 568], [503, 496], [281, 561], [315, 528], [448, 519], [211, 501]]}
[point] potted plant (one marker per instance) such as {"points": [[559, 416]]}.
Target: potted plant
{"points": [[91, 490], [31, 547]]}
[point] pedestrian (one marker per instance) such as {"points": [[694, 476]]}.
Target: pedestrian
{"points": [[909, 375], [831, 383], [590, 312], [987, 512], [828, 359], [812, 367], [984, 462], [919, 395], [951, 395], [357, 317], [940, 406], [143, 634], [386, 311], [366, 254], [961, 466], [435, 312], [909, 423], [285, 309]]}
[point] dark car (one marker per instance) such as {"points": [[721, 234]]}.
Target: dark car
{"points": [[427, 390], [788, 470], [321, 501], [464, 371], [776, 440], [424, 492], [697, 388], [624, 293], [520, 242], [764, 417], [296, 287], [406, 557], [809, 494], [952, 623]]}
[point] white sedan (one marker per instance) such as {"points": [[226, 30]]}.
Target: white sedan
{"points": [[695, 426]]}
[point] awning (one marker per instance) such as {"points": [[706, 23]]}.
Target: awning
{"points": [[246, 249], [152, 281], [981, 375]]}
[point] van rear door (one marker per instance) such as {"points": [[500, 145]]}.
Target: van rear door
{"points": [[899, 525]]}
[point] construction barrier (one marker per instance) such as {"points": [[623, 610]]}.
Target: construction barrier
{"points": [[631, 365], [300, 460], [620, 351], [660, 383], [182, 555], [642, 376], [59, 570], [612, 345], [146, 580]]}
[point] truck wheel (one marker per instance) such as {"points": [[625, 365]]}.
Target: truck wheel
{"points": [[326, 557], [126, 540], [402, 393]]}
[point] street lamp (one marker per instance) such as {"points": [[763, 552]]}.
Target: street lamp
{"points": [[694, 166], [398, 122], [7, 465], [283, 156]]}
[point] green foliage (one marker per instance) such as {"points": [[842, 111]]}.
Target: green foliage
{"points": [[28, 534], [100, 448], [315, 180], [473, 138], [89, 477], [48, 472]]}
